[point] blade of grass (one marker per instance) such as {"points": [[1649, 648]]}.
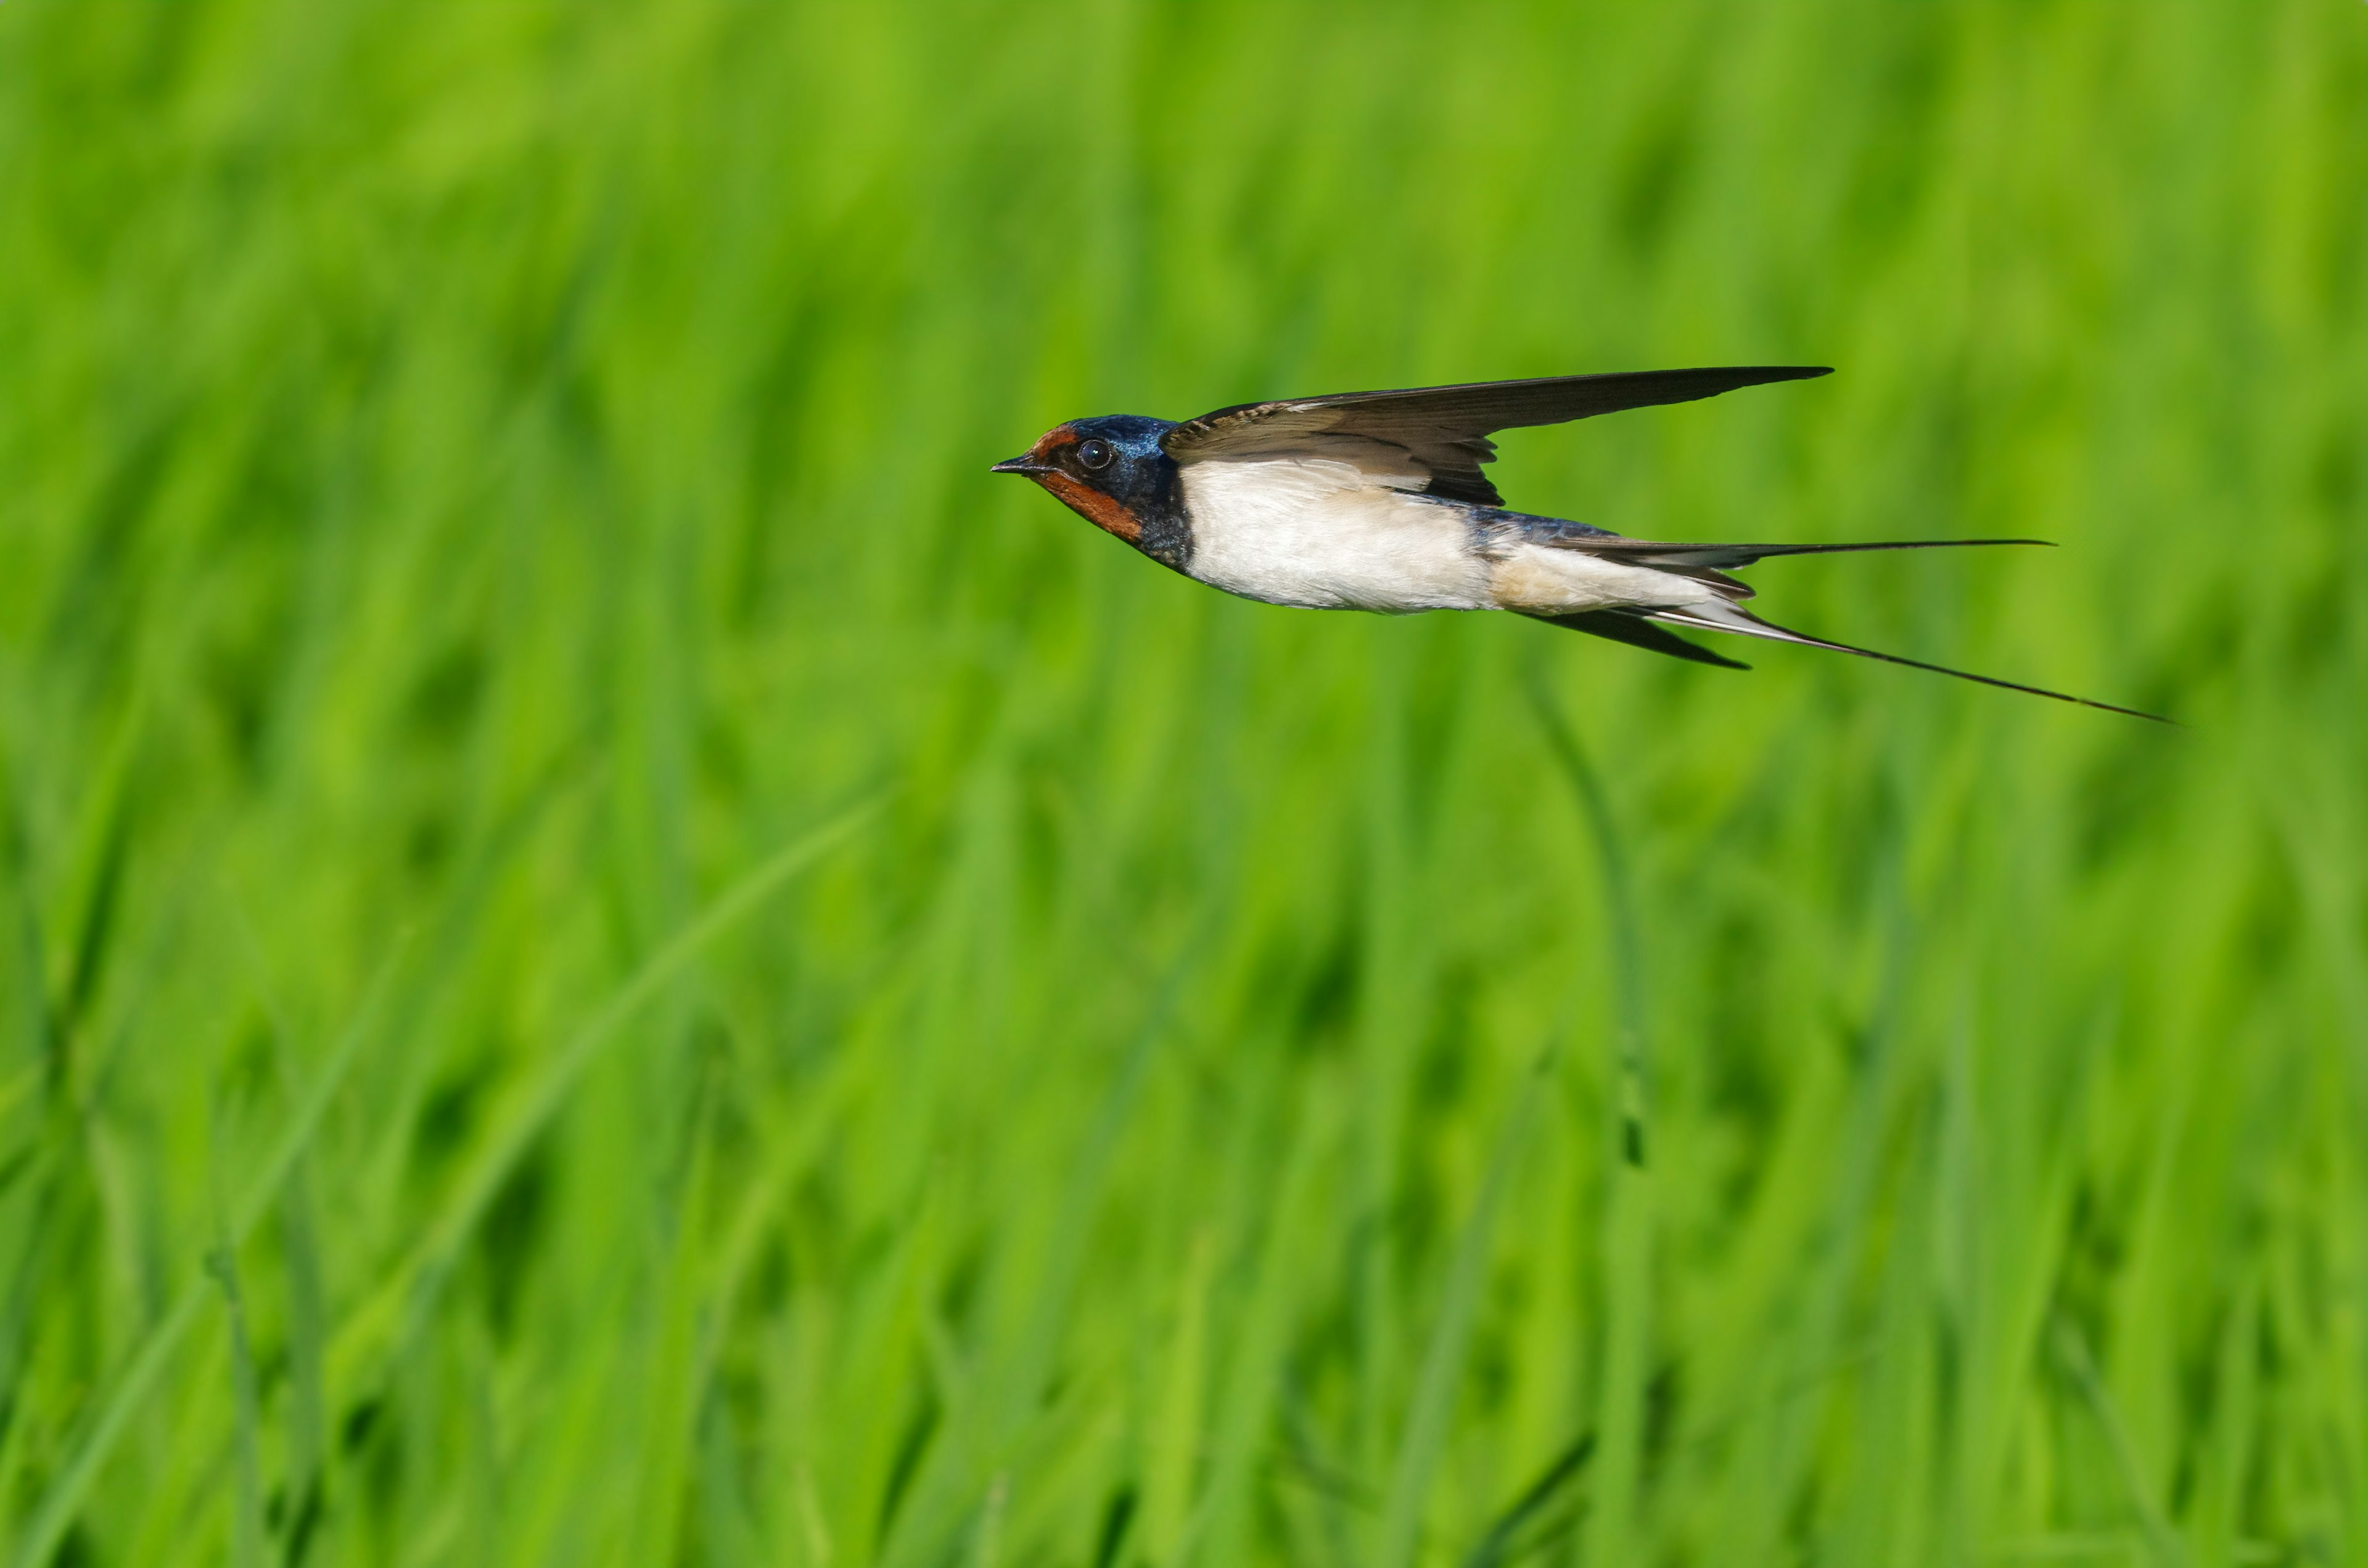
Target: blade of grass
{"points": [[1628, 1219], [246, 1531], [58, 1506], [1172, 1456], [379, 1324], [1246, 1419], [2072, 1353], [976, 1430], [1442, 1362]]}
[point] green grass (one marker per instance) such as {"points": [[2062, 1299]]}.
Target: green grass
{"points": [[612, 955]]}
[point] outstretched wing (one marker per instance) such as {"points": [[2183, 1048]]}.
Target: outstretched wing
{"points": [[1435, 439]]}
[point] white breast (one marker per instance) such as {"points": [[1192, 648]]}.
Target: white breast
{"points": [[1316, 532]]}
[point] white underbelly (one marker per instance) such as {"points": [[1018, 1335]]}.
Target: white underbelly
{"points": [[1542, 579], [1323, 535]]}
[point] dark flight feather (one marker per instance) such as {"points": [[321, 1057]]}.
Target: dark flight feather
{"points": [[1637, 632], [1443, 431], [1650, 552], [1701, 562], [1742, 622]]}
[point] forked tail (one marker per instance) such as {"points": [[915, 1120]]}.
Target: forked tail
{"points": [[1734, 618], [1640, 626]]}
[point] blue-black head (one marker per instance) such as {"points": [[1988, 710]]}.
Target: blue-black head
{"points": [[1112, 472]]}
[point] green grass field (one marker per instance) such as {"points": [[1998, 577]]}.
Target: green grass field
{"points": [[610, 954]]}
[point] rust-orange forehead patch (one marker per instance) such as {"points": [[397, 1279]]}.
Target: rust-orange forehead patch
{"points": [[1052, 442]]}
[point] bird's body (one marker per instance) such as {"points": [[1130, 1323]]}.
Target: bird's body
{"points": [[1375, 501], [1321, 534]]}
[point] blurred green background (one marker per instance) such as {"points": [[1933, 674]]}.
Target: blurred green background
{"points": [[613, 955]]}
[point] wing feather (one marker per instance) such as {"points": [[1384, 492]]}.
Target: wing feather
{"points": [[1443, 431]]}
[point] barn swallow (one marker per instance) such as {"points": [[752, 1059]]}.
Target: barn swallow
{"points": [[1375, 501]]}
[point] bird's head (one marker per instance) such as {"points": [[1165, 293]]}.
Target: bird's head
{"points": [[1110, 471]]}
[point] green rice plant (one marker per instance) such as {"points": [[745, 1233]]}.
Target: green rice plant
{"points": [[613, 955]]}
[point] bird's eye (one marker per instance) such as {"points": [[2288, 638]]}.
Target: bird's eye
{"points": [[1094, 453]]}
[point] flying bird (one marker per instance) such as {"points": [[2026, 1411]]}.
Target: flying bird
{"points": [[1376, 501]]}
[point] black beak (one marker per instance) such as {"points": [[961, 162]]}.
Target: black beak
{"points": [[1020, 465]]}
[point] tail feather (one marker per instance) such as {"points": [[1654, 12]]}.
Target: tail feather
{"points": [[1620, 626], [1743, 623], [1656, 552]]}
